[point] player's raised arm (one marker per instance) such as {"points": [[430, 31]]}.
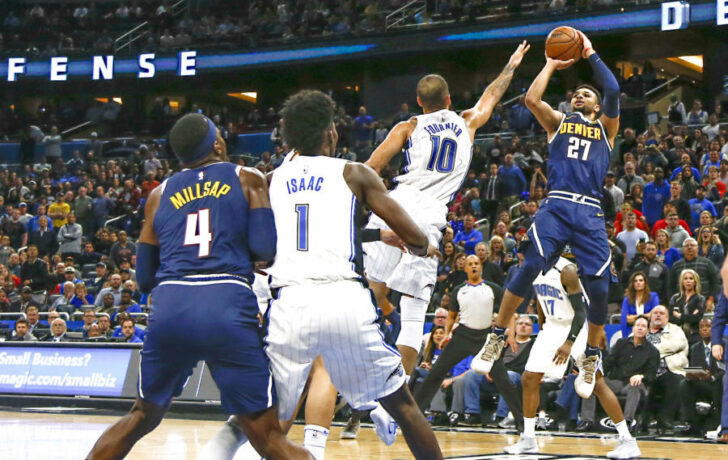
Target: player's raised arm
{"points": [[369, 189], [392, 145], [148, 245], [548, 118], [261, 224], [605, 78], [480, 113]]}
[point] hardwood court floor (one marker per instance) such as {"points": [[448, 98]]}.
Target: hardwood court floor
{"points": [[70, 436]]}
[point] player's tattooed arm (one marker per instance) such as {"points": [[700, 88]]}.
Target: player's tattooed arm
{"points": [[480, 113], [369, 190], [392, 145]]}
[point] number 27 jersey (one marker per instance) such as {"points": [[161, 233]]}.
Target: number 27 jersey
{"points": [[578, 156]]}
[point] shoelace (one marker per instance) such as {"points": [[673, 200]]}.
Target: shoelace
{"points": [[590, 367], [489, 354]]}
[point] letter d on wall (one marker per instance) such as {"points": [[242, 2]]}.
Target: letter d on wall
{"points": [[675, 15]]}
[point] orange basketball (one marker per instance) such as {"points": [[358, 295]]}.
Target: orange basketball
{"points": [[564, 43]]}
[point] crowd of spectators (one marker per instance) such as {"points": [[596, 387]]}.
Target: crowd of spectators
{"points": [[67, 246], [46, 30]]}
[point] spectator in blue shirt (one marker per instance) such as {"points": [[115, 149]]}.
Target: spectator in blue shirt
{"points": [[654, 197], [363, 128], [520, 118], [469, 236], [512, 179], [698, 205], [128, 331], [638, 300], [33, 225], [676, 171], [101, 207]]}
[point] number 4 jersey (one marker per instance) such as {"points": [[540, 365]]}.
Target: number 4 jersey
{"points": [[437, 155], [316, 220], [202, 223], [578, 156]]}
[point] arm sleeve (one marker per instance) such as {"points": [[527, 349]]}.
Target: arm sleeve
{"points": [[579, 306], [605, 78], [371, 234], [147, 265], [262, 236]]}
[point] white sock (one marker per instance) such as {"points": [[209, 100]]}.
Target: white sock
{"points": [[622, 429], [529, 427], [314, 439], [223, 444]]}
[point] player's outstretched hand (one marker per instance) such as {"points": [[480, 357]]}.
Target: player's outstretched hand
{"points": [[558, 64], [517, 55], [562, 354], [586, 46], [392, 239]]}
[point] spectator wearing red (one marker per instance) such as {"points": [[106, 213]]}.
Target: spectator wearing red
{"points": [[619, 220], [661, 224]]}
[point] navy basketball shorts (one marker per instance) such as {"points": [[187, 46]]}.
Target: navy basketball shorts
{"points": [[215, 321], [559, 222]]}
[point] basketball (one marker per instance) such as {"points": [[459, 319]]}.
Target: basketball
{"points": [[564, 43]]}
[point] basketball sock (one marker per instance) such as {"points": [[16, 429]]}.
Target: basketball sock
{"points": [[314, 440], [499, 330], [623, 430], [529, 427], [591, 351]]}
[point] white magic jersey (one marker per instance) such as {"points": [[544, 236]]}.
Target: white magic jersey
{"points": [[315, 216], [552, 295], [438, 154]]}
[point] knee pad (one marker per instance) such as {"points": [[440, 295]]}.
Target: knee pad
{"points": [[597, 290], [522, 282], [413, 322]]}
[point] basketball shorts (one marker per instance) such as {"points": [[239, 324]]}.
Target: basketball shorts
{"points": [[215, 321], [548, 341], [405, 273], [559, 222], [339, 322]]}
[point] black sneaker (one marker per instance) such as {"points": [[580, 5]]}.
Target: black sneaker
{"points": [[455, 418], [585, 426], [470, 420]]}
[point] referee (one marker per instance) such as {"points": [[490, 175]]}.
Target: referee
{"points": [[476, 300]]}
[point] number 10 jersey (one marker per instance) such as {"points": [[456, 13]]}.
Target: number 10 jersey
{"points": [[316, 220], [437, 155]]}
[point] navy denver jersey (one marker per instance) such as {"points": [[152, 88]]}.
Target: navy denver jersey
{"points": [[578, 156], [202, 223]]}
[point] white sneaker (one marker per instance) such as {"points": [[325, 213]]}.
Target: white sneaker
{"points": [[714, 434], [627, 448], [588, 366], [508, 421], [491, 351], [523, 446], [224, 444], [351, 429], [384, 424]]}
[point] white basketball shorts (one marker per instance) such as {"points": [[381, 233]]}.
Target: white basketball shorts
{"points": [[337, 321], [408, 274], [548, 341]]}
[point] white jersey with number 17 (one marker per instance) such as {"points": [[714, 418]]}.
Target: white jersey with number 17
{"points": [[438, 154], [552, 295]]}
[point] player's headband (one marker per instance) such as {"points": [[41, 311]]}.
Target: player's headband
{"points": [[204, 148]]}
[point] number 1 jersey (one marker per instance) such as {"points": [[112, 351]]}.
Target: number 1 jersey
{"points": [[316, 220], [202, 223], [578, 156]]}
